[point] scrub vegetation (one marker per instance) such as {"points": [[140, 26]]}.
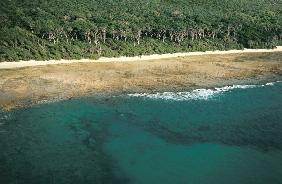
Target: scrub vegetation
{"points": [[72, 29]]}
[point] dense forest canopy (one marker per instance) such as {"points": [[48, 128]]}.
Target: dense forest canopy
{"points": [[45, 29]]}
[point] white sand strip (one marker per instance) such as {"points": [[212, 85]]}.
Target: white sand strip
{"points": [[9, 65]]}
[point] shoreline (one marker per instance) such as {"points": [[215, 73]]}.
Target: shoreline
{"points": [[201, 93], [184, 94], [21, 64], [24, 87]]}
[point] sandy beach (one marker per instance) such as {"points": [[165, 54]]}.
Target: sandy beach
{"points": [[9, 65], [23, 86]]}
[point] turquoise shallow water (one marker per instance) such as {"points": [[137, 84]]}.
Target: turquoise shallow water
{"points": [[230, 135]]}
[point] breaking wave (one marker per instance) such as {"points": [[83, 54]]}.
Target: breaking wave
{"points": [[3, 119], [197, 94]]}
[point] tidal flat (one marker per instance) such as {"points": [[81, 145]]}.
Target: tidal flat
{"points": [[39, 84]]}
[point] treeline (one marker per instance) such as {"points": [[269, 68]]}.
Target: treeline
{"points": [[53, 29]]}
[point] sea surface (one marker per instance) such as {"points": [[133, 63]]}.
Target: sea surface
{"points": [[228, 135]]}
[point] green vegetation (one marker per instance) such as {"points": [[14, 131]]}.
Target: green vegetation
{"points": [[54, 29]]}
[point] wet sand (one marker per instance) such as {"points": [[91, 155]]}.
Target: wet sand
{"points": [[39, 84]]}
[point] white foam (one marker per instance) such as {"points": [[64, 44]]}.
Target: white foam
{"points": [[179, 96], [4, 118], [50, 101], [197, 94], [269, 84]]}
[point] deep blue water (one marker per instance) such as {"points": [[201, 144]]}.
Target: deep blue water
{"points": [[200, 137]]}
